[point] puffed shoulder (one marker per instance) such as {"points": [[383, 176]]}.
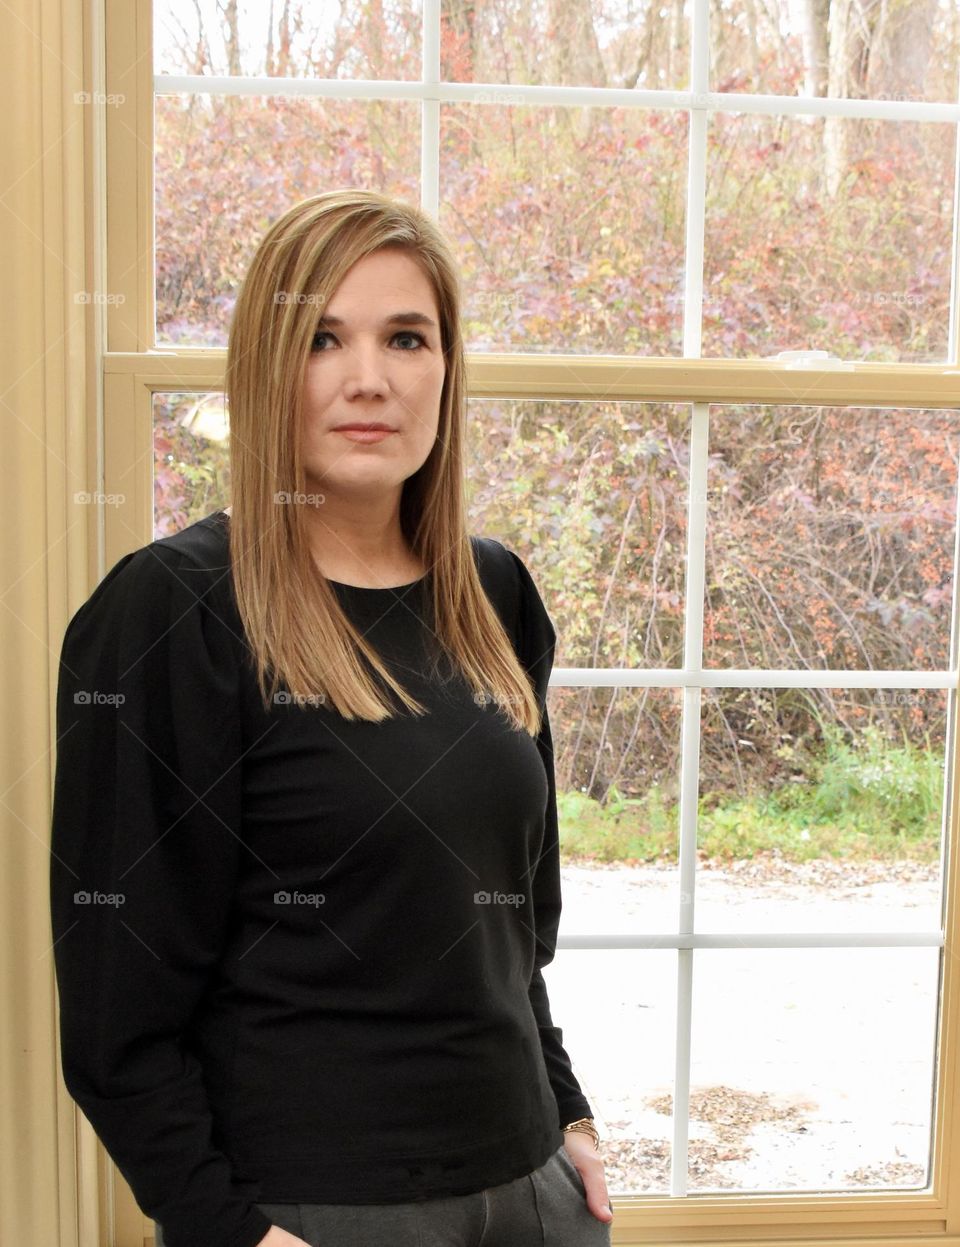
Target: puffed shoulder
{"points": [[156, 610], [189, 569]]}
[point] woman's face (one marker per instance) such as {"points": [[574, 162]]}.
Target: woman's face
{"points": [[365, 369]]}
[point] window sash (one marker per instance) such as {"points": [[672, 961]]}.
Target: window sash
{"points": [[133, 368]]}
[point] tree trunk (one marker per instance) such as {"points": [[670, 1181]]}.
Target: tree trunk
{"points": [[461, 17], [900, 49], [838, 88], [815, 14], [753, 46], [575, 58], [645, 57], [674, 44], [231, 36], [268, 62], [575, 53], [285, 66]]}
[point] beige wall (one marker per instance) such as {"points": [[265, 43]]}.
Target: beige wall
{"points": [[50, 1181]]}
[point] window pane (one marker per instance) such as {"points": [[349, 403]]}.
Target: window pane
{"points": [[830, 538], [828, 234], [617, 1009], [812, 1069], [191, 465], [568, 224], [821, 810], [269, 153], [596, 493], [902, 51], [616, 759], [297, 40], [577, 44]]}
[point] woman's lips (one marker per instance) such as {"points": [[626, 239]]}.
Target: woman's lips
{"points": [[365, 435]]}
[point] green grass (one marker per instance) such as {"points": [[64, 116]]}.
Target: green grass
{"points": [[875, 800]]}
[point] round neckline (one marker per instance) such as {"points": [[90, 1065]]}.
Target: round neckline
{"points": [[342, 584]]}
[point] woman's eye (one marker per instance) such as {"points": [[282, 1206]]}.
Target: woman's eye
{"points": [[418, 338]]}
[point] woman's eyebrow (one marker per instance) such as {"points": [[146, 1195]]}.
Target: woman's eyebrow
{"points": [[398, 318]]}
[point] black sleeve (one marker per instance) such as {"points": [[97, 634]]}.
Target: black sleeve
{"points": [[537, 639], [145, 846]]}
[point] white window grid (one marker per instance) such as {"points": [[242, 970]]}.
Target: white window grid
{"points": [[699, 102]]}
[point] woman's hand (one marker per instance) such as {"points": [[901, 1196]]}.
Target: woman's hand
{"points": [[275, 1237], [589, 1165]]}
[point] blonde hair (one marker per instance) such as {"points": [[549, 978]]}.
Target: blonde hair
{"points": [[295, 625]]}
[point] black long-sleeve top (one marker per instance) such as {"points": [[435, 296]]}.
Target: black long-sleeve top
{"points": [[278, 977]]}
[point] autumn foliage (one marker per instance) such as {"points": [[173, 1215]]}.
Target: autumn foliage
{"points": [[830, 533]]}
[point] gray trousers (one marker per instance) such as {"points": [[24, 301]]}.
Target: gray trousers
{"points": [[545, 1208]]}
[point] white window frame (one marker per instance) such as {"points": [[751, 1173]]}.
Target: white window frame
{"points": [[134, 369]]}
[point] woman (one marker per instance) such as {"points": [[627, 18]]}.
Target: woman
{"points": [[305, 869]]}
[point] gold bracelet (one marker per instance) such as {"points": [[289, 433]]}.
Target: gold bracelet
{"points": [[585, 1125]]}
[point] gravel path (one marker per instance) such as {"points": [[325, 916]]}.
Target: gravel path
{"points": [[811, 1069]]}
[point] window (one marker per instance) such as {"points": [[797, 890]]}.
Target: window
{"points": [[710, 257]]}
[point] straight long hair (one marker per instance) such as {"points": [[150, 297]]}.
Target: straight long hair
{"points": [[298, 633]]}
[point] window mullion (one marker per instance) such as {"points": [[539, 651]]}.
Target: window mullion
{"points": [[693, 590], [430, 111]]}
